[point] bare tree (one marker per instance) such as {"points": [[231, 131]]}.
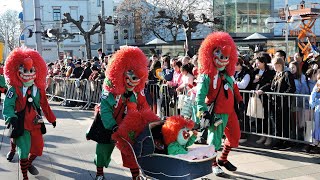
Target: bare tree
{"points": [[10, 22], [93, 30], [164, 28]]}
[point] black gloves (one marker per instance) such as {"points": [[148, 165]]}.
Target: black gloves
{"points": [[15, 131], [14, 122], [54, 124], [207, 120]]}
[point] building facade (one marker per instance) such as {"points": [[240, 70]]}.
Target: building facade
{"points": [[242, 18], [51, 13]]}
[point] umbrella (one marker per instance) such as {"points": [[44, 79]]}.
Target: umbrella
{"points": [[156, 41], [255, 36]]}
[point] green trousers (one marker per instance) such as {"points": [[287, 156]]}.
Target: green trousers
{"points": [[23, 144], [215, 135], [103, 154]]}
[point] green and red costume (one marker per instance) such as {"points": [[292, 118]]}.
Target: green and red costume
{"points": [[25, 73], [126, 76], [216, 85]]}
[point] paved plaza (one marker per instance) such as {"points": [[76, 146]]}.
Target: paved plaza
{"points": [[68, 155]]}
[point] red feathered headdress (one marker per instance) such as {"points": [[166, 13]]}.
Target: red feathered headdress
{"points": [[125, 59], [206, 56], [21, 56], [172, 126]]}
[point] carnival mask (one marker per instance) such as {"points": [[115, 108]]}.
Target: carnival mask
{"points": [[183, 136], [27, 72], [131, 80], [221, 57]]}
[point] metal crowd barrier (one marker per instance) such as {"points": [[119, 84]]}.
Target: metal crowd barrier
{"points": [[286, 116]]}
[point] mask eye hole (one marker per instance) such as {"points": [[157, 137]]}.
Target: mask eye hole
{"points": [[217, 53], [32, 70]]}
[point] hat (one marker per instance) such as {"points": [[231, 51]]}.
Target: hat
{"points": [[50, 64], [94, 68], [78, 62], [95, 58]]}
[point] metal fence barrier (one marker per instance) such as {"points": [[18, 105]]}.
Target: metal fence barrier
{"points": [[286, 116]]}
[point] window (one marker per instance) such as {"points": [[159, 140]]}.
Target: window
{"points": [[74, 12], [125, 34], [56, 13], [116, 34], [99, 3]]}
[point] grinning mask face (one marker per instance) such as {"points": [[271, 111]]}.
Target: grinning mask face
{"points": [[221, 57], [183, 136], [27, 72], [131, 80]]}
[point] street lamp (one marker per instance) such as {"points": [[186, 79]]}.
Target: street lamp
{"points": [[30, 33], [189, 25]]}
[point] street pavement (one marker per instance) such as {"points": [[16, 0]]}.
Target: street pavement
{"points": [[68, 155]]}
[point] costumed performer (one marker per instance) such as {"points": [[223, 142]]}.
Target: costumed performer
{"points": [[25, 73]]}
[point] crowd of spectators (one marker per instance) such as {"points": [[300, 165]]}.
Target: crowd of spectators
{"points": [[169, 77], [284, 116], [92, 69]]}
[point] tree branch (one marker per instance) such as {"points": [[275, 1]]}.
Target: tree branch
{"points": [[69, 19]]}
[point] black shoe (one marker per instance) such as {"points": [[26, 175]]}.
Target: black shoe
{"points": [[277, 145], [10, 156], [33, 170], [227, 165], [307, 148], [285, 146]]}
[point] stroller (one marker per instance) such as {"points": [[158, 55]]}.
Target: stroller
{"points": [[153, 161]]}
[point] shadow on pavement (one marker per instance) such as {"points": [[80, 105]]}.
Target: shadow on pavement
{"points": [[276, 154], [59, 139], [49, 145], [247, 176], [41, 178], [79, 173], [68, 157], [3, 170]]}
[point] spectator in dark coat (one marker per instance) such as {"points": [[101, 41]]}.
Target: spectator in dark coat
{"points": [[87, 71], [77, 71], [262, 78]]}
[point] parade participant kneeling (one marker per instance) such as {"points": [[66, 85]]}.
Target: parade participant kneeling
{"points": [[176, 136], [25, 72], [126, 76], [217, 89]]}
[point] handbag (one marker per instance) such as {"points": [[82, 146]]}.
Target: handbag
{"points": [[98, 133], [255, 108], [181, 101]]}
